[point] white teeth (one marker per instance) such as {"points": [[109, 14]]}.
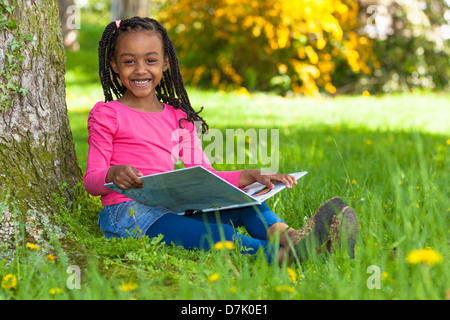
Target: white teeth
{"points": [[140, 81]]}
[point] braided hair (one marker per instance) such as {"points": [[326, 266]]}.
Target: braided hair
{"points": [[170, 90]]}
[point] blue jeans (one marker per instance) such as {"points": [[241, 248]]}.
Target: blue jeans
{"points": [[198, 231]]}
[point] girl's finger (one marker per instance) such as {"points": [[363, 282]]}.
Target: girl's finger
{"points": [[287, 180], [132, 178], [265, 180]]}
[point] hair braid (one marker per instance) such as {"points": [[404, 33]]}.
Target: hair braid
{"points": [[170, 90]]}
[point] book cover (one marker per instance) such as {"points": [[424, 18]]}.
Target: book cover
{"points": [[197, 189]]}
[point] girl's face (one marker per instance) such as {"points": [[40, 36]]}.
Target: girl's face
{"points": [[139, 60]]}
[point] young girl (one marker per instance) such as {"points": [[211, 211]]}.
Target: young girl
{"points": [[132, 136]]}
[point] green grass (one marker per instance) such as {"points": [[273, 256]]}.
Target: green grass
{"points": [[388, 156]]}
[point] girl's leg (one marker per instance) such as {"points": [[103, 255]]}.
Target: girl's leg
{"points": [[197, 232], [260, 222]]}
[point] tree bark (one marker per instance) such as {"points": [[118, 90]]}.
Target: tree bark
{"points": [[37, 153]]}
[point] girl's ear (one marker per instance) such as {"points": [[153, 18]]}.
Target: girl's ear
{"points": [[166, 64], [114, 66]]}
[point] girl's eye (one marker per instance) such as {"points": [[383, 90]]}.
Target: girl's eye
{"points": [[128, 61], [151, 60]]}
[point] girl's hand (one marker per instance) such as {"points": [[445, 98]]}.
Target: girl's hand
{"points": [[266, 178], [125, 177]]}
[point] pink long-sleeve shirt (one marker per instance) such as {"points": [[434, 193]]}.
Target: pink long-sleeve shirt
{"points": [[150, 142]]}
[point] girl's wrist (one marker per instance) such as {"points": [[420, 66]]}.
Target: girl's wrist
{"points": [[248, 177], [109, 175]]}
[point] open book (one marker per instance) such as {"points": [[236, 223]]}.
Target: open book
{"points": [[197, 189]]}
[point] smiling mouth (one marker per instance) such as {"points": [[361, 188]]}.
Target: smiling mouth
{"points": [[141, 83]]}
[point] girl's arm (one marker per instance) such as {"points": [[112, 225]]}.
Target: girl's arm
{"points": [[266, 178], [102, 123]]}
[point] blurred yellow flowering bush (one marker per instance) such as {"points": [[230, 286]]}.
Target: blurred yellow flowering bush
{"points": [[264, 44]]}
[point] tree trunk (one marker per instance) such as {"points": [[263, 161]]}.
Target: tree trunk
{"points": [[125, 9], [37, 153]]}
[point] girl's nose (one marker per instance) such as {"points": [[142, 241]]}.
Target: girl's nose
{"points": [[140, 67]]}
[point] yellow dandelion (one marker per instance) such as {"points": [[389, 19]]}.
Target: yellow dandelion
{"points": [[366, 93], [384, 275], [32, 246], [55, 291], [224, 245], [427, 256], [229, 245], [292, 274], [128, 286], [448, 141], [9, 282], [214, 277], [51, 257], [368, 142]]}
